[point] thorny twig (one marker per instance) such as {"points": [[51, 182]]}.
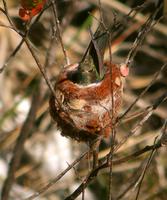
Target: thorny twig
{"points": [[54, 181]]}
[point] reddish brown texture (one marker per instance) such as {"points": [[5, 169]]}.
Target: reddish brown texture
{"points": [[30, 8], [92, 92], [86, 112]]}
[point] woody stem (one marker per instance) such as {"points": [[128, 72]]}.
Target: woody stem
{"points": [[94, 147]]}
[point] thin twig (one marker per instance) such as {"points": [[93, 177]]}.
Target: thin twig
{"points": [[110, 155], [141, 35], [59, 32], [12, 55], [145, 169], [135, 177], [94, 172], [144, 91], [18, 149], [50, 48], [41, 68], [139, 179], [164, 134], [83, 185], [7, 13], [106, 164], [55, 180], [6, 26]]}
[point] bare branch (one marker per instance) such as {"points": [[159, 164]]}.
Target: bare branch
{"points": [[18, 149]]}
